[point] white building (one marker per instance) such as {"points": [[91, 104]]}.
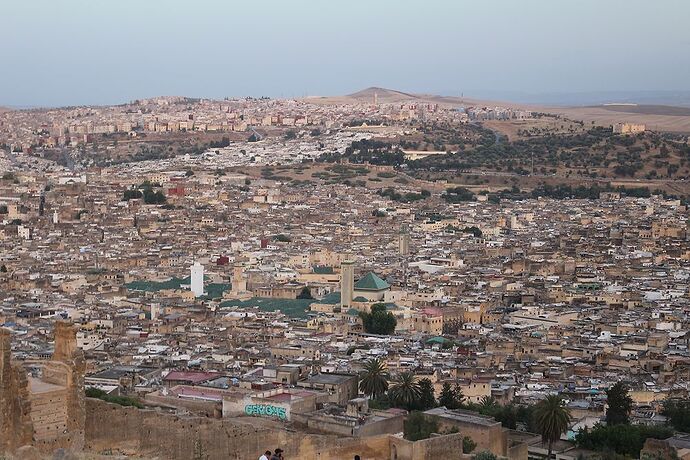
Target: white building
{"points": [[197, 282]]}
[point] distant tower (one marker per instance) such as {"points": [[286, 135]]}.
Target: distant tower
{"points": [[42, 204], [56, 218], [514, 224], [347, 282], [197, 285], [376, 98], [155, 311], [404, 241], [404, 250], [239, 284]]}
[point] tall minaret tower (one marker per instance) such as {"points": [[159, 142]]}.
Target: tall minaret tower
{"points": [[239, 284], [347, 283], [197, 279], [404, 250], [404, 241], [376, 98]]}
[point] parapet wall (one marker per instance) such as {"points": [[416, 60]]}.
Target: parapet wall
{"points": [[444, 446], [149, 432]]}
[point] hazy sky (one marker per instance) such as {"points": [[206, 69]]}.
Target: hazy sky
{"points": [[58, 52]]}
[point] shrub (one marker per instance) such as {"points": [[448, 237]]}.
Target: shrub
{"points": [[121, 400]]}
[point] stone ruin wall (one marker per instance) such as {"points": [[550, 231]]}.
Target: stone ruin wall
{"points": [[53, 417], [110, 427], [15, 408]]}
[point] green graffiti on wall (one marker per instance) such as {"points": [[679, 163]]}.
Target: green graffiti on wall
{"points": [[261, 409]]}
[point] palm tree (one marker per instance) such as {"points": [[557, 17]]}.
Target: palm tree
{"points": [[487, 404], [374, 381], [552, 419], [405, 391]]}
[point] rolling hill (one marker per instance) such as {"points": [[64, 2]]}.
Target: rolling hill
{"points": [[656, 117]]}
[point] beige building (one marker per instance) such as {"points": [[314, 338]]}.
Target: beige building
{"points": [[628, 128]]}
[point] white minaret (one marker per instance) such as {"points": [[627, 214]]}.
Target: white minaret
{"points": [[56, 218], [197, 284], [155, 311]]}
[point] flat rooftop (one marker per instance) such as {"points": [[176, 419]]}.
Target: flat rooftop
{"points": [[37, 386], [463, 416], [328, 379]]}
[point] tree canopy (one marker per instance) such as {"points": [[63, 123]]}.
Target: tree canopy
{"points": [[620, 404], [418, 426], [379, 320], [552, 419], [677, 412], [374, 378], [622, 439], [405, 391]]}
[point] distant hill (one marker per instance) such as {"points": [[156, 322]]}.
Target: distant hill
{"points": [[391, 96], [647, 109], [656, 117], [387, 96]]}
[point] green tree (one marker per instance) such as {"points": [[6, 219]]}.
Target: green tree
{"points": [[552, 418], [121, 400], [485, 455], [525, 415], [418, 426], [374, 378], [488, 405], [379, 321], [305, 293], [620, 404], [131, 195], [151, 197], [677, 411], [458, 195], [459, 395], [507, 415], [468, 445], [427, 399], [448, 397], [624, 440], [378, 213], [405, 391]]}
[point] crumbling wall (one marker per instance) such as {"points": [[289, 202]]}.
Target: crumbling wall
{"points": [[443, 446], [66, 369], [658, 449], [149, 432], [15, 422], [50, 413]]}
